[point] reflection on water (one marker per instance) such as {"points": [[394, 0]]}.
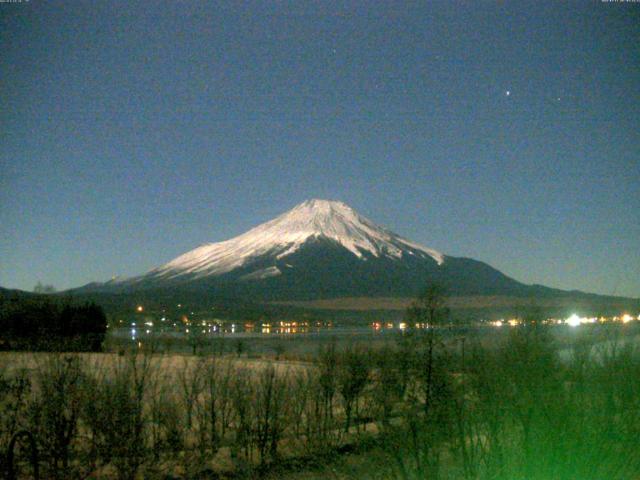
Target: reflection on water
{"points": [[220, 329], [187, 327]]}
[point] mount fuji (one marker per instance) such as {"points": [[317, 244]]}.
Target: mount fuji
{"points": [[320, 249]]}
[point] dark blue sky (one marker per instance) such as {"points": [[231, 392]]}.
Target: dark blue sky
{"points": [[131, 132]]}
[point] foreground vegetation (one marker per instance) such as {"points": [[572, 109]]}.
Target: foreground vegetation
{"points": [[524, 409]]}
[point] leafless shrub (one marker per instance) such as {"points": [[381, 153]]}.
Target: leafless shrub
{"points": [[317, 420], [388, 384], [166, 429], [116, 417], [353, 376], [300, 385], [191, 381], [242, 392], [214, 408], [15, 393], [270, 409], [327, 381], [55, 411]]}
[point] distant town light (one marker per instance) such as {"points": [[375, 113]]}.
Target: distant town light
{"points": [[139, 308], [573, 321], [626, 318]]}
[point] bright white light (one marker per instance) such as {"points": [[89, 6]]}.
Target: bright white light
{"points": [[626, 318], [573, 321]]}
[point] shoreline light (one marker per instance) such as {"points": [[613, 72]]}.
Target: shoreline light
{"points": [[573, 321]]}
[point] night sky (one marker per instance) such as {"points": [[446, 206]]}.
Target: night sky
{"points": [[131, 132]]}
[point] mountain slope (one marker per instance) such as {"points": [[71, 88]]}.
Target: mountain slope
{"points": [[288, 233], [320, 249]]}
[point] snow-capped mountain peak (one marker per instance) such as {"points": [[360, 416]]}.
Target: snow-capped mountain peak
{"points": [[287, 233]]}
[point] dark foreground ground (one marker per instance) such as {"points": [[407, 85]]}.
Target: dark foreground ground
{"points": [[493, 403]]}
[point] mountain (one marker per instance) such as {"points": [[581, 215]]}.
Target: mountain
{"points": [[262, 251], [320, 249], [12, 294]]}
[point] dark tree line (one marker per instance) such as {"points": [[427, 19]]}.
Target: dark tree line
{"points": [[37, 323]]}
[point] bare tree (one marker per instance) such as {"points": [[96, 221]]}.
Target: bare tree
{"points": [[242, 393], [15, 394], [388, 388], [429, 311], [116, 417], [300, 385], [327, 379], [270, 412], [215, 407], [191, 382], [56, 409], [353, 375]]}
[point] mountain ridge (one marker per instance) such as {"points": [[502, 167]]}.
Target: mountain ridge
{"points": [[320, 249], [283, 236]]}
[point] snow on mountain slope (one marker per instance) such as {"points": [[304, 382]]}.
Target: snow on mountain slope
{"points": [[285, 234]]}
